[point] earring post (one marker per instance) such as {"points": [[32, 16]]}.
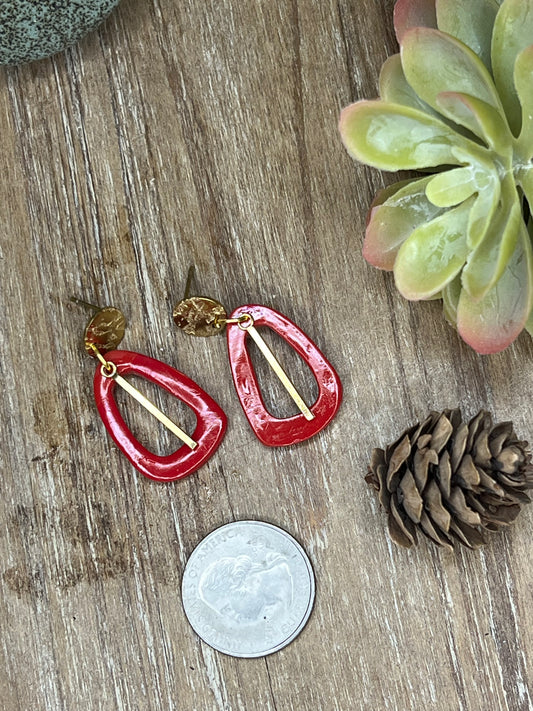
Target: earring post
{"points": [[188, 285], [85, 304]]}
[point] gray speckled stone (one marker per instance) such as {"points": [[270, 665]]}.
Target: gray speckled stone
{"points": [[33, 29]]}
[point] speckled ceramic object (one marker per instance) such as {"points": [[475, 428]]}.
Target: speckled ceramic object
{"points": [[33, 29]]}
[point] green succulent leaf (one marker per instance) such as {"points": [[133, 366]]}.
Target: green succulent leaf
{"points": [[433, 255], [525, 180], [487, 262], [395, 89], [482, 119], [395, 137], [523, 80], [389, 190], [454, 186], [435, 62], [471, 22], [482, 213], [450, 300], [393, 217], [491, 324], [413, 13], [513, 32]]}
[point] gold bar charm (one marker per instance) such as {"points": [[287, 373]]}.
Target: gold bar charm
{"points": [[276, 367], [156, 412]]}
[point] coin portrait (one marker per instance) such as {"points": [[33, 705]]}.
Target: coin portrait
{"points": [[248, 589], [244, 591]]}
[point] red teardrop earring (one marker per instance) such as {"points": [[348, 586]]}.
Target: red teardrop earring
{"points": [[102, 336], [201, 316]]}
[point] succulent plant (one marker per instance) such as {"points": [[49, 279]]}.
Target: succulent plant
{"points": [[456, 102]]}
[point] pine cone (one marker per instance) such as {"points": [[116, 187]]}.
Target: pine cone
{"points": [[452, 480]]}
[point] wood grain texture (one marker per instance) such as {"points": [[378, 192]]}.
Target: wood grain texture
{"points": [[206, 133]]}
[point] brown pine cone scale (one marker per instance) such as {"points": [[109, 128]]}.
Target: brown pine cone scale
{"points": [[452, 481]]}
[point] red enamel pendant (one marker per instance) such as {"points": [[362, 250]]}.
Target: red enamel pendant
{"points": [[210, 419], [273, 431]]}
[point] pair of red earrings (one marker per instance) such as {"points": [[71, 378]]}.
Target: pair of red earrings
{"points": [[201, 316]]}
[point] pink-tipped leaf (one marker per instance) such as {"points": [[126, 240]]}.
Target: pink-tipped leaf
{"points": [[413, 13], [393, 217], [491, 324]]}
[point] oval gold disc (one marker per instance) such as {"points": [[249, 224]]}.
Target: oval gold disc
{"points": [[199, 316], [105, 330]]}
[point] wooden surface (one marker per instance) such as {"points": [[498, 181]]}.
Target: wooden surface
{"points": [[206, 132]]}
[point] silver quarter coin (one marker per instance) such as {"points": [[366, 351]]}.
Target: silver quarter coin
{"points": [[248, 589]]}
